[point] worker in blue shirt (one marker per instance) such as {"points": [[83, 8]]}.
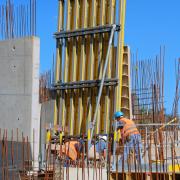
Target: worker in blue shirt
{"points": [[101, 145]]}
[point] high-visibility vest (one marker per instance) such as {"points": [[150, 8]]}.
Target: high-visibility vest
{"points": [[129, 128], [69, 149]]}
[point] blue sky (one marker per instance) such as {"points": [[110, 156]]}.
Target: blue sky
{"points": [[47, 12], [149, 24]]}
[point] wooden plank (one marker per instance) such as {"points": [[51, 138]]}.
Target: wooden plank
{"points": [[73, 67], [126, 94], [69, 72], [96, 90], [101, 21], [119, 54], [83, 15], [89, 69], [67, 76], [121, 50], [100, 122], [76, 92], [90, 63], [112, 94], [107, 97], [85, 91], [64, 94], [94, 55], [104, 45], [58, 64], [84, 60], [126, 67]]}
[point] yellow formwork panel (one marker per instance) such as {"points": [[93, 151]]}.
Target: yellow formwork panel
{"points": [[84, 59], [58, 64], [119, 54], [125, 85]]}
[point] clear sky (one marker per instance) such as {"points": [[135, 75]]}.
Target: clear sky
{"points": [[149, 24]]}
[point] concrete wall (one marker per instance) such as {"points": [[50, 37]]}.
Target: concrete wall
{"points": [[19, 86], [47, 120]]}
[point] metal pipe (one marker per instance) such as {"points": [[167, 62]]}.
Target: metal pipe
{"points": [[102, 82]]}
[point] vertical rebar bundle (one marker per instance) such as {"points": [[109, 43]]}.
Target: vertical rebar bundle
{"points": [[148, 89], [161, 158], [45, 86], [46, 81], [175, 110], [17, 20]]}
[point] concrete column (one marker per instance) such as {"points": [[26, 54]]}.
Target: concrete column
{"points": [[35, 106], [19, 89]]}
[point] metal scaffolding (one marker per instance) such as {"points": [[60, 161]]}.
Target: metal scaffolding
{"points": [[82, 38]]}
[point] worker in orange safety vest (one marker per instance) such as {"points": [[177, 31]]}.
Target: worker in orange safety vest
{"points": [[72, 150], [130, 136]]}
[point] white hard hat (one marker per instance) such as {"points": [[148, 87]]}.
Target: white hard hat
{"points": [[103, 137]]}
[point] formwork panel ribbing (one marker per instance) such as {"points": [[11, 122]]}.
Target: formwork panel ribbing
{"points": [[82, 58]]}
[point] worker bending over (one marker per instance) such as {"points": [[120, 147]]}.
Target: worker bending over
{"points": [[99, 147], [130, 136], [72, 150]]}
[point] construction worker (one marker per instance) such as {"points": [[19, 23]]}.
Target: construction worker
{"points": [[130, 136], [100, 146], [72, 149]]}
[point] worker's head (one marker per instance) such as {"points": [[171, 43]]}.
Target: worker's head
{"points": [[118, 115], [103, 137]]}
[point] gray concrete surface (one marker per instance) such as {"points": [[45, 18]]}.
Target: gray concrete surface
{"points": [[47, 114], [78, 173], [19, 83], [19, 87]]}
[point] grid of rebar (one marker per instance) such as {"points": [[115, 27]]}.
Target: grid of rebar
{"points": [[161, 154], [147, 82]]}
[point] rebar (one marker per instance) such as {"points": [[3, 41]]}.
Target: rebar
{"points": [[17, 20], [148, 89]]}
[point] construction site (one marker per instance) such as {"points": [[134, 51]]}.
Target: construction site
{"points": [[98, 113]]}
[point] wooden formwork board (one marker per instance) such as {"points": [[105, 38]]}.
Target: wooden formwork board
{"points": [[82, 58], [144, 175], [125, 85]]}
